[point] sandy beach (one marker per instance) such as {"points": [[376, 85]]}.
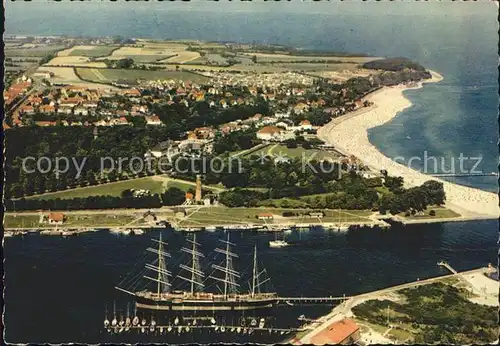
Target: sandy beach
{"points": [[349, 134]]}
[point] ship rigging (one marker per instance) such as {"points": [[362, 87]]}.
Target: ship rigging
{"points": [[197, 297]]}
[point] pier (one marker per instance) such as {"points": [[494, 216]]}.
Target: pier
{"points": [[312, 300]]}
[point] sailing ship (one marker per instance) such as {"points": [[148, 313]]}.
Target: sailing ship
{"points": [[197, 298]]}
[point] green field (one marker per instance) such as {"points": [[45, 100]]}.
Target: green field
{"points": [[441, 213], [32, 52], [299, 152], [113, 75], [110, 189], [95, 52], [223, 215]]}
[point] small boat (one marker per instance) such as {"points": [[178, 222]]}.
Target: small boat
{"points": [[238, 330], [106, 323], [8, 234], [143, 330], [210, 228], [287, 231], [222, 329], [278, 243], [179, 329], [50, 232], [232, 329], [216, 328], [135, 321], [343, 228], [194, 322], [188, 229], [176, 321], [68, 233], [187, 328], [138, 231], [143, 322], [114, 322], [169, 329], [253, 322], [261, 323], [212, 320], [161, 330]]}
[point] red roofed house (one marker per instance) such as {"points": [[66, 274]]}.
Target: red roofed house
{"points": [[132, 92], [153, 120], [305, 125], [56, 218], [45, 123], [344, 332], [268, 132], [27, 110], [189, 198], [265, 216]]}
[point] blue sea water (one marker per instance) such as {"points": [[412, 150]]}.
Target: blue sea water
{"points": [[459, 40]]}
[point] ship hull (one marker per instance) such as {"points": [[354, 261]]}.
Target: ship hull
{"points": [[204, 305]]}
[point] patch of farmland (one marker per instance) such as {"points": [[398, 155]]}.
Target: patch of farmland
{"points": [[66, 75], [74, 61], [266, 57], [61, 74], [94, 52], [304, 67], [132, 76], [41, 51], [138, 58], [182, 57], [26, 59]]}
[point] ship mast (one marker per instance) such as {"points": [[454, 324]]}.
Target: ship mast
{"points": [[256, 274], [230, 273], [163, 284], [195, 268]]}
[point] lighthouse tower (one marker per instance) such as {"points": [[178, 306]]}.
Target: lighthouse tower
{"points": [[197, 196]]}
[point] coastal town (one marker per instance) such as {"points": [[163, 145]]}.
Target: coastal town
{"points": [[130, 136]]}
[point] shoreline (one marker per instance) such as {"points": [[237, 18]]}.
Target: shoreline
{"points": [[349, 133]]}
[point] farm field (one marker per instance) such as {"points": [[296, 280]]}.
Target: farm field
{"points": [[169, 53], [39, 51], [61, 74], [266, 57], [182, 57], [74, 61], [87, 51], [114, 75]]}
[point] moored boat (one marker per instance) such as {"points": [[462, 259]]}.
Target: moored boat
{"points": [[226, 298]]}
